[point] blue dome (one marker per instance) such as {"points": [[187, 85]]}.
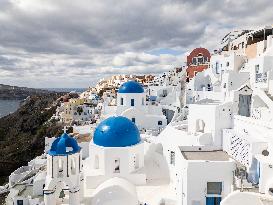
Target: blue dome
{"points": [[64, 145], [131, 87], [116, 132]]}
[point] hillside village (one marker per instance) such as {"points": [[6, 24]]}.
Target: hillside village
{"points": [[199, 134]]}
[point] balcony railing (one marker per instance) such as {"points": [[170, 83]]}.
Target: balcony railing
{"points": [[261, 77]]}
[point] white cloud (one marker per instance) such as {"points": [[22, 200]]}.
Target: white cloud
{"points": [[49, 43]]}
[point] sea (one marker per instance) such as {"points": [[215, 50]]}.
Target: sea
{"points": [[10, 106], [78, 90]]}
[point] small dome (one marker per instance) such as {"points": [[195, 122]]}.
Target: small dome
{"points": [[131, 87], [115, 189], [116, 132], [64, 145]]}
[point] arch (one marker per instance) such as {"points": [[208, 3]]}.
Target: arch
{"points": [[156, 163], [116, 165], [200, 125], [60, 167], [133, 113], [73, 166], [159, 148], [115, 191]]}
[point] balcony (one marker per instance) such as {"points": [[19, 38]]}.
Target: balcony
{"points": [[261, 77]]}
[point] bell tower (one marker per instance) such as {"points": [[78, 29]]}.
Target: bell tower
{"points": [[64, 170]]}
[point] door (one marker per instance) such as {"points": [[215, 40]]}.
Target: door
{"points": [[164, 93], [244, 105], [213, 200]]}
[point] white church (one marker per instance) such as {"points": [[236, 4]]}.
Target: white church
{"points": [[110, 173], [132, 103]]}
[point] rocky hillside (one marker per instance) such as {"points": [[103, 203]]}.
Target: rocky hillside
{"points": [[8, 92], [22, 133]]}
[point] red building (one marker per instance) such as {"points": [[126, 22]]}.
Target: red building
{"points": [[197, 61]]}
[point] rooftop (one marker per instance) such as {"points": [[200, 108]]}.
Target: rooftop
{"points": [[205, 155]]}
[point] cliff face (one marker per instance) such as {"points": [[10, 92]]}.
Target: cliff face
{"points": [[22, 133], [18, 93]]}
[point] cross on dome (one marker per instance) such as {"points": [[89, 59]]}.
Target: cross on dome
{"points": [[65, 129]]}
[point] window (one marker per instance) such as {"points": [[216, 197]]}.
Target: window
{"points": [[172, 158], [96, 163], [132, 102], [142, 101], [227, 64], [194, 61], [136, 161], [73, 167], [116, 166], [121, 101], [214, 188], [257, 68], [200, 58], [60, 166], [20, 202], [217, 68], [134, 120], [159, 122]]}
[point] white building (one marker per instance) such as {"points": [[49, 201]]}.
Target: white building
{"points": [[203, 177]]}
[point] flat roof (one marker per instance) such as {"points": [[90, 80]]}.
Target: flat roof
{"points": [[206, 155]]}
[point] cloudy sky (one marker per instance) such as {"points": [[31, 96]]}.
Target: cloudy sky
{"points": [[62, 43]]}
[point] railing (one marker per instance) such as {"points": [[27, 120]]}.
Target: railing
{"points": [[261, 77]]}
